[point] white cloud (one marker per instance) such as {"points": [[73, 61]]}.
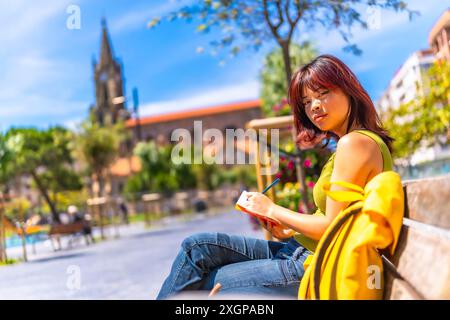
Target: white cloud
{"points": [[21, 19], [35, 86], [242, 92], [35, 105]]}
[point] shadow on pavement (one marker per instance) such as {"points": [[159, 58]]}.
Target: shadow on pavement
{"points": [[59, 257], [158, 232]]}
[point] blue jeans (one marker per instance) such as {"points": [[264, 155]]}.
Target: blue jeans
{"points": [[241, 265]]}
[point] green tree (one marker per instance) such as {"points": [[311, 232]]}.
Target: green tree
{"points": [[425, 120], [208, 176], [274, 87], [6, 160], [97, 147], [159, 173], [45, 156]]}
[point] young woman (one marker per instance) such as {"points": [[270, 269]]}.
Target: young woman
{"points": [[327, 102]]}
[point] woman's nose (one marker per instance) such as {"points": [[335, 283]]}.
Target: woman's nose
{"points": [[316, 104]]}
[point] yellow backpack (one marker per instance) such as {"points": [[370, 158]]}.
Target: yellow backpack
{"points": [[347, 263]]}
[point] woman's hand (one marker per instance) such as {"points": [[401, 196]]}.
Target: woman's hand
{"points": [[259, 203], [278, 231], [281, 232]]}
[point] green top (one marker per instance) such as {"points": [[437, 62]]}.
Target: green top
{"points": [[319, 195]]}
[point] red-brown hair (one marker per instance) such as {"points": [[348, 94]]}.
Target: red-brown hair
{"points": [[327, 71]]}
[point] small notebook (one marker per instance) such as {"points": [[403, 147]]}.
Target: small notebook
{"points": [[240, 205]]}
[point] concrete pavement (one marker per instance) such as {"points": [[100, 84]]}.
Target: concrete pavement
{"points": [[131, 267]]}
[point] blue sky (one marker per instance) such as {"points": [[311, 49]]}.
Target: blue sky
{"points": [[46, 76]]}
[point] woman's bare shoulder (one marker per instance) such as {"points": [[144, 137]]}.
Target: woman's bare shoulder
{"points": [[356, 147], [357, 140]]}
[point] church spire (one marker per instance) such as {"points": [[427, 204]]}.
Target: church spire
{"points": [[106, 57], [108, 84]]}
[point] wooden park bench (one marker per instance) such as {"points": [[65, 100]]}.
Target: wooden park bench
{"points": [[66, 229], [420, 268], [72, 229]]}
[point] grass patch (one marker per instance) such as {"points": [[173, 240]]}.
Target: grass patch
{"points": [[9, 262]]}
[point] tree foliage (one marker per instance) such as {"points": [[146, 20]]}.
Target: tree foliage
{"points": [[425, 120], [159, 173], [97, 147], [6, 161], [248, 24], [273, 81], [45, 155]]}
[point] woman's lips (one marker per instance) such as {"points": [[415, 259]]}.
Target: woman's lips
{"points": [[319, 118]]}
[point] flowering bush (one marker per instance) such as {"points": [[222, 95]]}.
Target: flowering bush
{"points": [[287, 192], [282, 108], [289, 196]]}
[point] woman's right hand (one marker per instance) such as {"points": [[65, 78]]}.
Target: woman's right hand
{"points": [[278, 231]]}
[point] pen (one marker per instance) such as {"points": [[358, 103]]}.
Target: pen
{"points": [[271, 185]]}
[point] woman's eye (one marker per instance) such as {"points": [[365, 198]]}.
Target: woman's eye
{"points": [[307, 102], [324, 93]]}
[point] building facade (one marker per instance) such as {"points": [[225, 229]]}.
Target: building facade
{"points": [[408, 82], [159, 128], [227, 116], [439, 38]]}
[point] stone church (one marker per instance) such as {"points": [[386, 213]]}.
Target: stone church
{"points": [[109, 84]]}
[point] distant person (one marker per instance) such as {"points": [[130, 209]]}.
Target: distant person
{"points": [[64, 218], [76, 217], [124, 211]]}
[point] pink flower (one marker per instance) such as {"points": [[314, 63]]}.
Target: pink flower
{"points": [[278, 175], [290, 165], [307, 163], [311, 184], [284, 101], [276, 107]]}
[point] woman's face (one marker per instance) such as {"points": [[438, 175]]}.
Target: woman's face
{"points": [[327, 109]]}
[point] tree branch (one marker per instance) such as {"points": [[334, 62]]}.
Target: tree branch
{"points": [[293, 24], [286, 10], [280, 14], [273, 28]]}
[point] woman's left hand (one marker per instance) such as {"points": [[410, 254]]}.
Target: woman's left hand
{"points": [[260, 203]]}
